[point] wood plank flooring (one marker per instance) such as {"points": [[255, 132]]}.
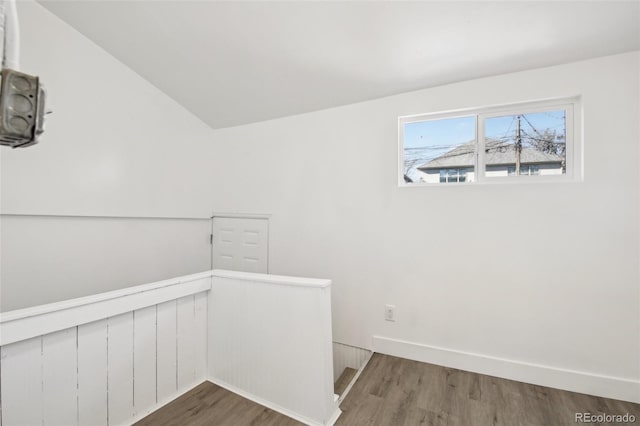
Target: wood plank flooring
{"points": [[343, 381], [394, 391], [209, 404]]}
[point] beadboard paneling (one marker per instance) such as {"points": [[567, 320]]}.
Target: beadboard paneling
{"points": [[347, 356], [104, 372]]}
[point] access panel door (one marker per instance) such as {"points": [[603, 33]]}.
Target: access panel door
{"points": [[241, 244]]}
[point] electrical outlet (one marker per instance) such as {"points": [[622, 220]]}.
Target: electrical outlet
{"points": [[390, 312]]}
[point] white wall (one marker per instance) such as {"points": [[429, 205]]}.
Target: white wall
{"points": [[114, 146], [49, 259], [452, 258]]}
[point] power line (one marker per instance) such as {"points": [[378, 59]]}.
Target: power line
{"points": [[534, 129]]}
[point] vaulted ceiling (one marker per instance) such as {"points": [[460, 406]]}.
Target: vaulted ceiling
{"points": [[232, 63]]}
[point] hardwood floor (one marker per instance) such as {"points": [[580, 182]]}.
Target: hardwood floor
{"points": [[343, 381], [394, 391], [209, 404]]}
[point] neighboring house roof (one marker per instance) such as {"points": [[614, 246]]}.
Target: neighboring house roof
{"points": [[497, 153]]}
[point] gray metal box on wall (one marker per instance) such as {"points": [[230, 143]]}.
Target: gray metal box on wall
{"points": [[22, 100]]}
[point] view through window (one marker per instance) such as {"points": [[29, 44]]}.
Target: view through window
{"points": [[524, 141]]}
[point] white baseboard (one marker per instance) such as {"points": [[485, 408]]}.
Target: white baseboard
{"points": [[560, 378], [334, 418], [276, 407]]}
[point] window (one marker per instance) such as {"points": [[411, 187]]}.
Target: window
{"points": [[453, 175], [435, 146], [513, 143], [527, 170]]}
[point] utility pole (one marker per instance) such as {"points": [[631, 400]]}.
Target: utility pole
{"points": [[518, 147]]}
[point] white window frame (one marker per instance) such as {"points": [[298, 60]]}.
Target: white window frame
{"points": [[574, 156]]}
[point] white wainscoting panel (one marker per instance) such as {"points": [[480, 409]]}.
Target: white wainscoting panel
{"points": [[112, 371], [186, 342], [22, 383], [113, 358], [200, 331], [167, 350], [270, 341], [92, 373], [347, 356], [59, 378], [120, 368], [144, 360]]}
